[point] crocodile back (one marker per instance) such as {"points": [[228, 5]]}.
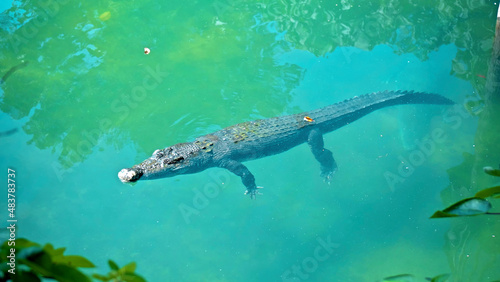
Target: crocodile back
{"points": [[260, 138]]}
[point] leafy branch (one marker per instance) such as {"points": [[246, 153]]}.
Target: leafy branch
{"points": [[23, 260]]}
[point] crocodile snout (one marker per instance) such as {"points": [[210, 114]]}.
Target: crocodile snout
{"points": [[129, 175]]}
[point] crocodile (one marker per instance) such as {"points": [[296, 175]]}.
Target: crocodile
{"points": [[229, 147]]}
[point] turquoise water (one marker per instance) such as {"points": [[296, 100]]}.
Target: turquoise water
{"points": [[89, 102]]}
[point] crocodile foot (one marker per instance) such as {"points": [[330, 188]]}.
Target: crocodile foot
{"points": [[328, 176], [253, 192]]}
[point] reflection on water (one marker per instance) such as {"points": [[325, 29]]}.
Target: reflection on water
{"points": [[95, 64], [84, 61], [89, 86]]}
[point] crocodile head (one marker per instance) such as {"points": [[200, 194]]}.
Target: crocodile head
{"points": [[182, 158]]}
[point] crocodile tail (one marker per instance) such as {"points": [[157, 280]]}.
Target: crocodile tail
{"points": [[347, 111], [410, 97], [384, 99]]}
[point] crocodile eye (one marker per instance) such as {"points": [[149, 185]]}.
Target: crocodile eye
{"points": [[174, 161]]}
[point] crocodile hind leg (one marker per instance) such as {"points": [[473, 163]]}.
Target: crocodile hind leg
{"points": [[322, 155], [246, 176]]}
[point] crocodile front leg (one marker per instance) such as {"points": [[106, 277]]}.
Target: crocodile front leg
{"points": [[242, 171], [322, 155]]}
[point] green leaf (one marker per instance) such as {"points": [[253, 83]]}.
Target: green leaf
{"points": [[65, 273], [441, 278], [113, 265], [469, 206], [75, 261], [132, 277], [22, 243], [27, 252], [53, 252], [440, 214], [60, 272], [485, 193], [400, 278], [58, 256], [25, 276], [129, 268], [465, 207], [491, 171], [40, 262]]}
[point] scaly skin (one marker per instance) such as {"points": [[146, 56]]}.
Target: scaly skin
{"points": [[229, 147]]}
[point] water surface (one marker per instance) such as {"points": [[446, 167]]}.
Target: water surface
{"points": [[90, 103]]}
